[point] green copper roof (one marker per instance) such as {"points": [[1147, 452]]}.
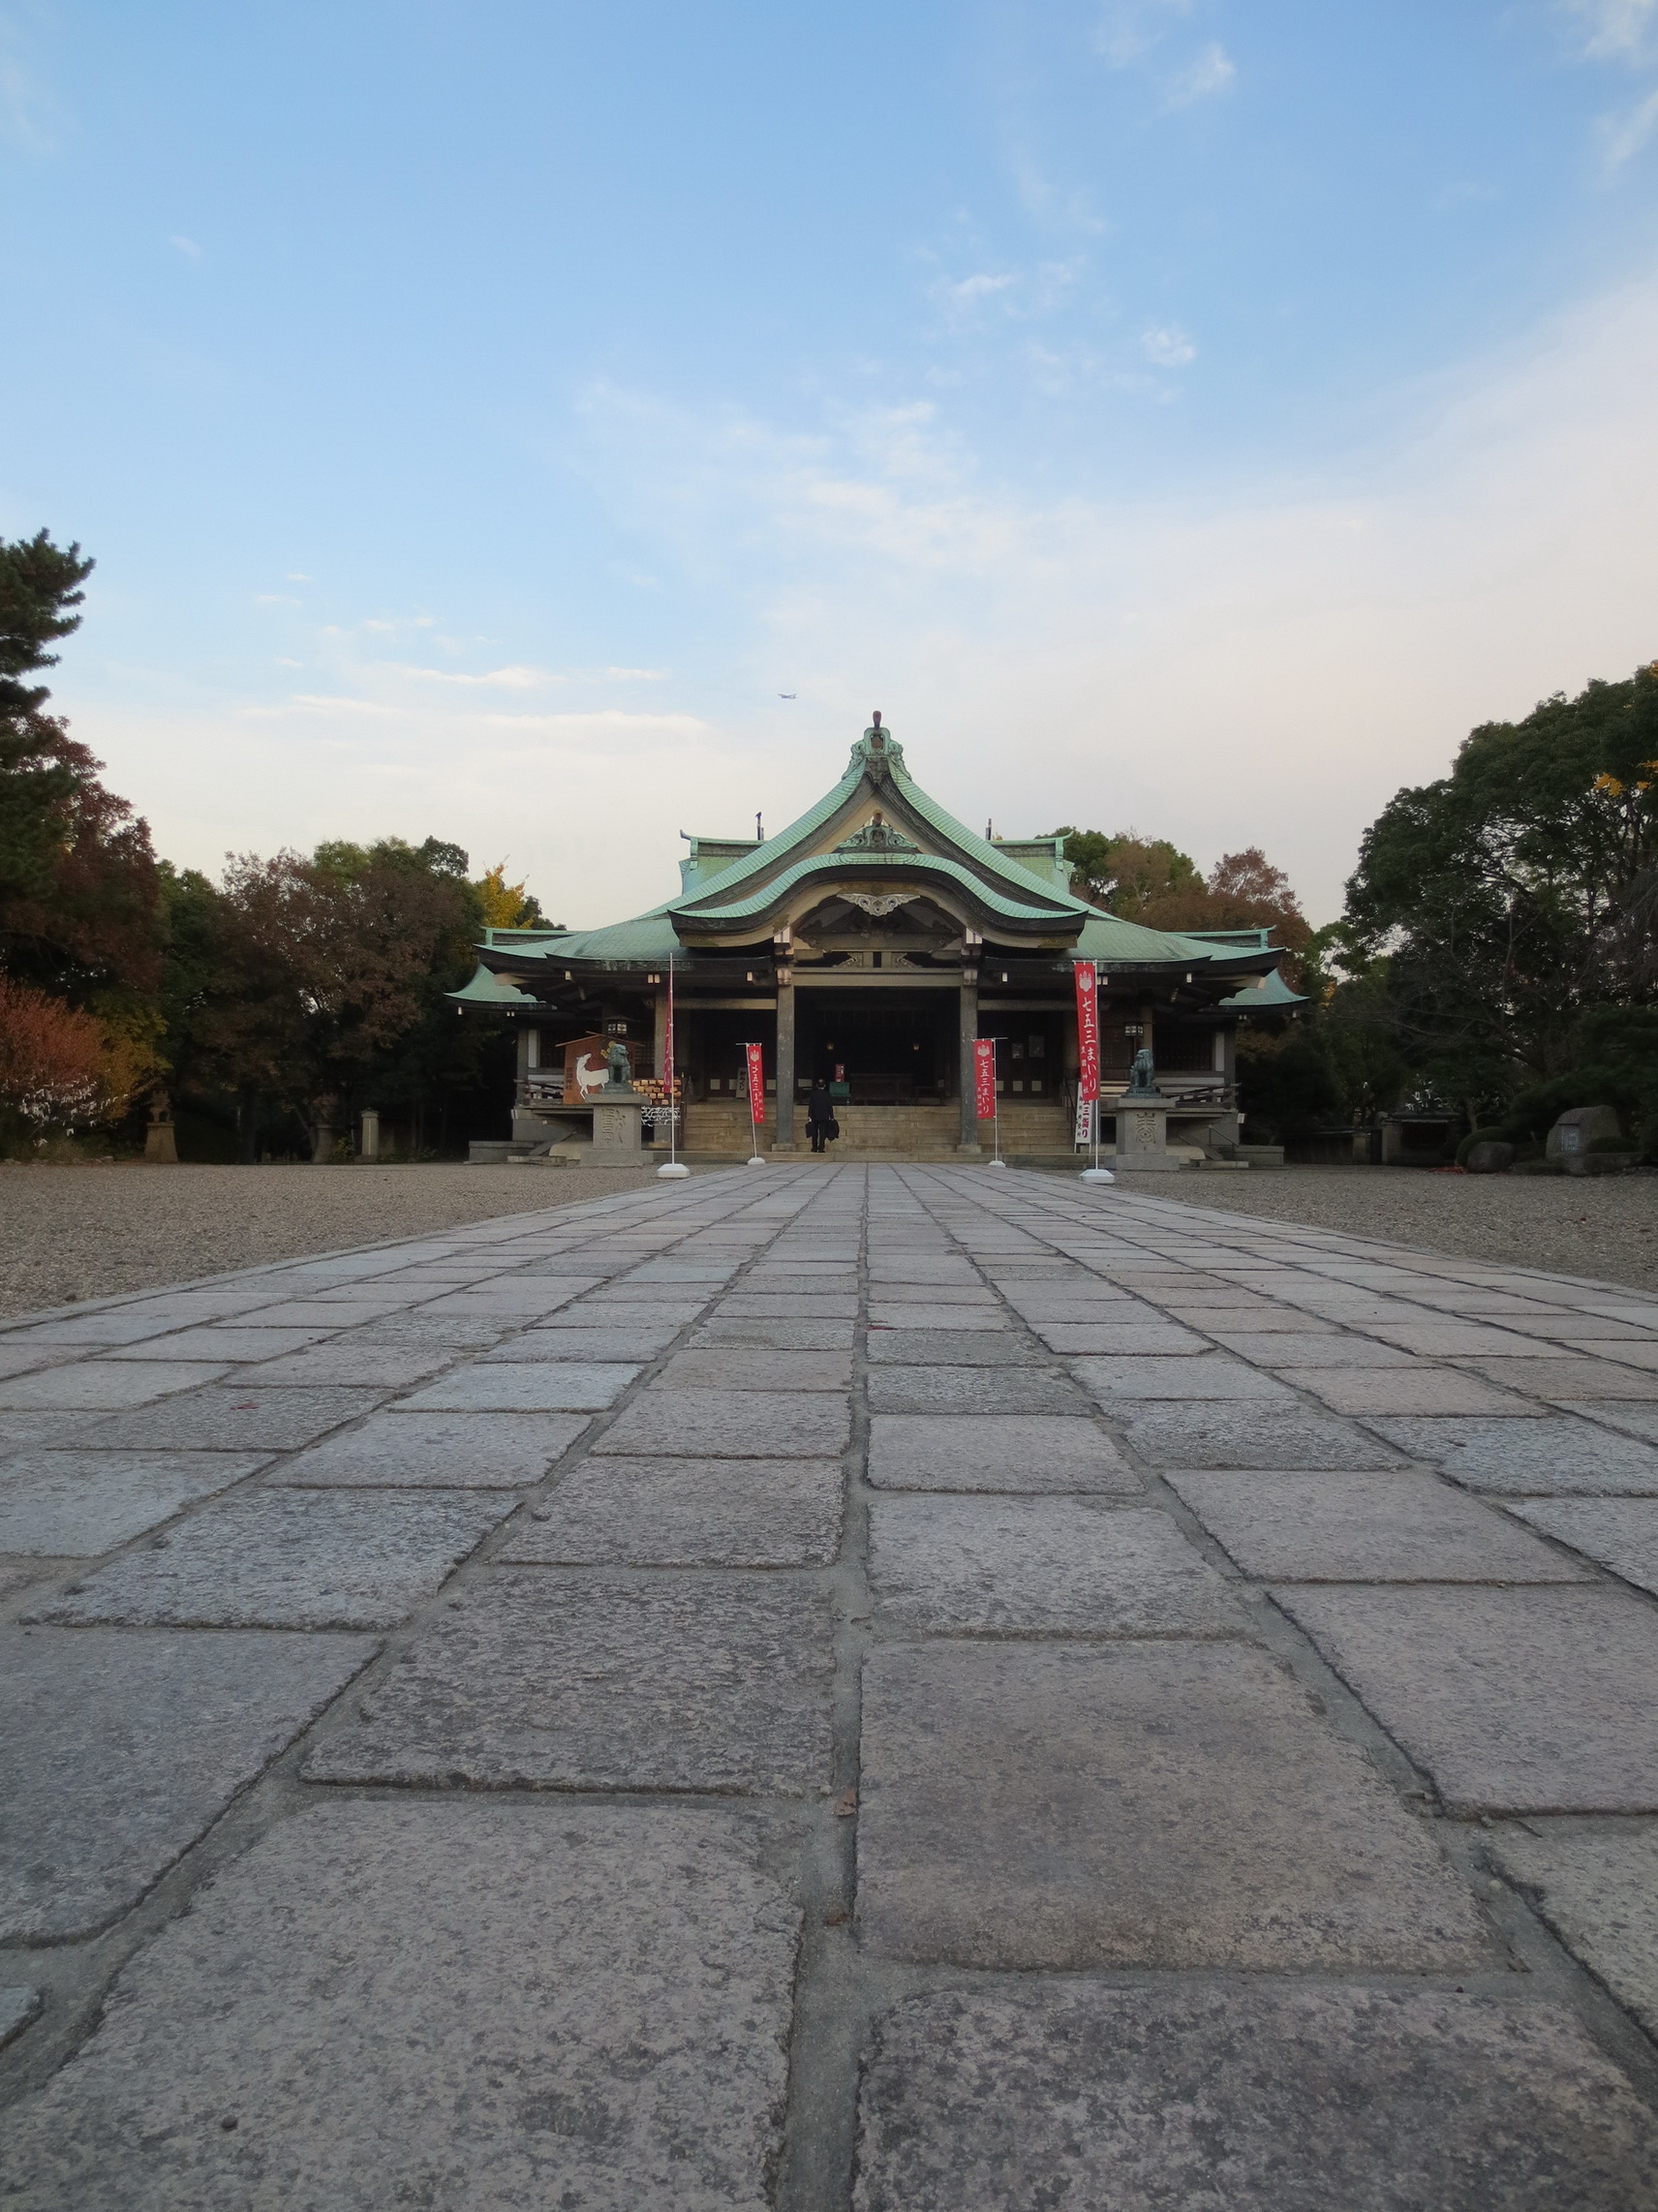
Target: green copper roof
{"points": [[1266, 997], [1109, 938], [761, 876], [647, 936], [487, 988], [879, 765], [908, 864]]}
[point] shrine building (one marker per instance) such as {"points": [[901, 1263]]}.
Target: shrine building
{"points": [[872, 943]]}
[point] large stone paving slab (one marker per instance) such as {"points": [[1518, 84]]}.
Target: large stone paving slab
{"points": [[437, 1451], [783, 1335], [601, 2022], [1040, 1566], [1218, 1433], [621, 1341], [226, 1341], [747, 1425], [395, 1367], [99, 1386], [1132, 1338], [970, 1320], [1287, 1348], [687, 1513], [950, 1390], [290, 1558], [1247, 2099], [251, 1419], [1402, 1527], [783, 1305], [601, 1681], [1513, 1699], [72, 1505], [1539, 1458], [756, 1368], [1031, 1452], [118, 1749], [1208, 1374], [1170, 1805], [1420, 1389], [1620, 1532], [548, 1386], [944, 1348], [1597, 1886], [1570, 1379]]}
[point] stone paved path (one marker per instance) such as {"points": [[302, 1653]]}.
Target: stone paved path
{"points": [[925, 1690]]}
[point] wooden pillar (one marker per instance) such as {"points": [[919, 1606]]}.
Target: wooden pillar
{"points": [[969, 1036], [782, 1140]]}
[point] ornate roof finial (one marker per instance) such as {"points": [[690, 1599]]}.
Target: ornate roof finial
{"points": [[877, 735]]}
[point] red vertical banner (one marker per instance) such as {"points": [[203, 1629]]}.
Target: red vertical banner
{"points": [[984, 1077], [1088, 1049], [756, 1089]]}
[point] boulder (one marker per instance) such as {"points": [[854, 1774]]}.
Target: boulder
{"points": [[1576, 1129], [1489, 1156]]}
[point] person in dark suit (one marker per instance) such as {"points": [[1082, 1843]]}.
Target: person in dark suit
{"points": [[820, 1114]]}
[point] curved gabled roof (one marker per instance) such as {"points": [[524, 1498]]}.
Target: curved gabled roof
{"points": [[831, 865], [877, 762], [763, 875]]}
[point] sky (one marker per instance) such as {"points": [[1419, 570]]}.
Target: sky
{"points": [[553, 427]]}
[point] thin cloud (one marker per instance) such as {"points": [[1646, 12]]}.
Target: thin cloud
{"points": [[1130, 29], [513, 679], [1169, 347], [27, 116], [1211, 71], [188, 247], [1622, 137], [1615, 30]]}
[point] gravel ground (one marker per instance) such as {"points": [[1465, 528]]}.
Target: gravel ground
{"points": [[70, 1233], [1606, 1229]]}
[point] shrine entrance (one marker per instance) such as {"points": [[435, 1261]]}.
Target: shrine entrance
{"points": [[889, 1049]]}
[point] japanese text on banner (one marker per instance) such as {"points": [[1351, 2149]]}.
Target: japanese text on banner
{"points": [[1088, 1029], [756, 1085], [1088, 1049], [984, 1077]]}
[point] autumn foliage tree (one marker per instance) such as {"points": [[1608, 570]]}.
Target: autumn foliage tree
{"points": [[58, 1067], [1152, 882], [324, 989]]}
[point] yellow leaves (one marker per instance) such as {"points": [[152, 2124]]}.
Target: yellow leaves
{"points": [[1614, 789], [506, 906]]}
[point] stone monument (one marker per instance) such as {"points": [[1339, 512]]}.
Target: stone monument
{"points": [[618, 1115], [161, 1140], [1142, 1121]]}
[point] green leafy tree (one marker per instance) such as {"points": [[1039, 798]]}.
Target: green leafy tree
{"points": [[1502, 902], [1124, 873], [312, 987], [79, 906]]}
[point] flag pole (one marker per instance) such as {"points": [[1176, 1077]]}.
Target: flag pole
{"points": [[1087, 1062], [671, 1165]]}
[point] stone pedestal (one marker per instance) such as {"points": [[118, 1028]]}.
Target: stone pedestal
{"points": [[160, 1141], [1142, 1137], [617, 1120]]}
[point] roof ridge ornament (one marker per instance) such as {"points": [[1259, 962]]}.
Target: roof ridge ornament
{"points": [[877, 753], [878, 834]]}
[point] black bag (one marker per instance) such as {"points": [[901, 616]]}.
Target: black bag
{"points": [[832, 1128]]}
